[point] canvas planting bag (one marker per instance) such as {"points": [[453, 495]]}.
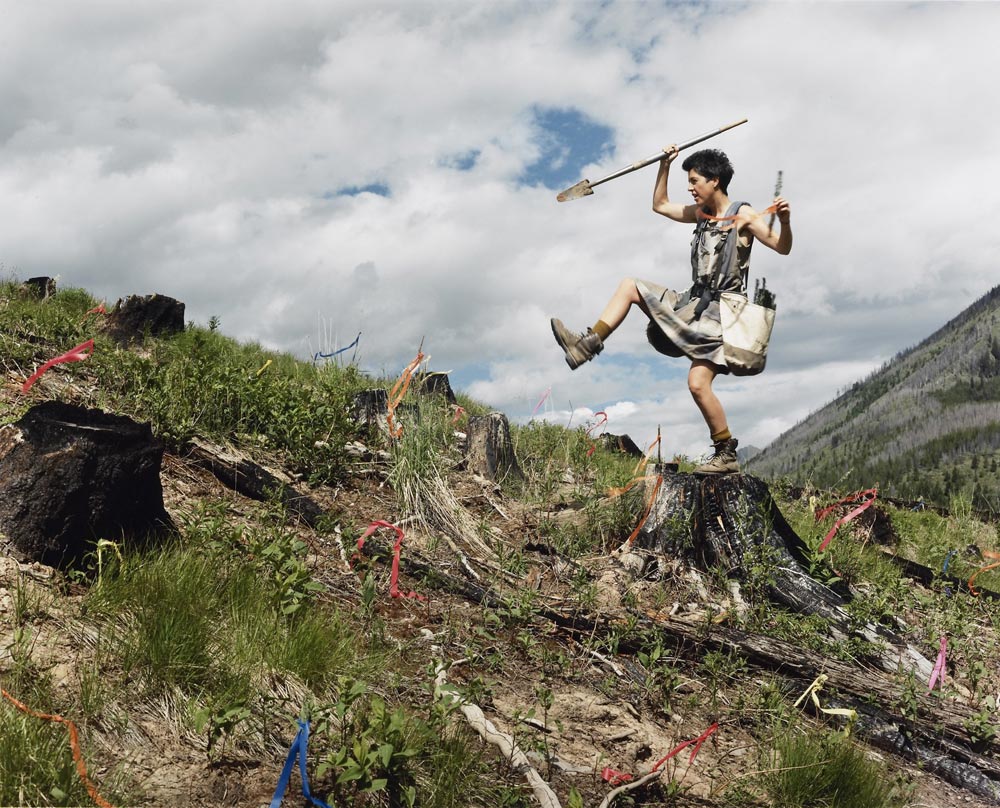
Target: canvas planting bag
{"points": [[746, 332]]}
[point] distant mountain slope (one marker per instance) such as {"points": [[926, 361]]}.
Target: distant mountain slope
{"points": [[925, 424]]}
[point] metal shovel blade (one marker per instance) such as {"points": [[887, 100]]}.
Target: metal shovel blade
{"points": [[582, 188]]}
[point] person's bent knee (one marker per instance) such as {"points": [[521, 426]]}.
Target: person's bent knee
{"points": [[628, 289], [699, 387]]}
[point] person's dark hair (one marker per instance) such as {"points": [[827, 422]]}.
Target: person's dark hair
{"points": [[712, 165]]}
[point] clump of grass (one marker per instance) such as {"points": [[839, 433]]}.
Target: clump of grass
{"points": [[826, 771], [37, 767], [213, 626]]}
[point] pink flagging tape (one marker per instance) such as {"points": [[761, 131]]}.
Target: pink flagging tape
{"points": [[396, 550], [77, 354], [937, 674], [541, 401], [871, 493]]}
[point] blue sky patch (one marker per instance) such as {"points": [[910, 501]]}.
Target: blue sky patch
{"points": [[377, 188], [568, 140], [463, 161]]}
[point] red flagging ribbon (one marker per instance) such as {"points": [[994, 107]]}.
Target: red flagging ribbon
{"points": [[398, 391], [96, 310], [74, 743], [871, 493], [614, 777], [397, 548], [986, 554], [77, 354], [694, 753], [600, 422]]}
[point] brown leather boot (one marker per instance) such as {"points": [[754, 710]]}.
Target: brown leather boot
{"points": [[579, 348], [723, 461]]}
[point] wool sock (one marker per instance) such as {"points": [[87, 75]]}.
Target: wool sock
{"points": [[725, 434], [602, 329]]}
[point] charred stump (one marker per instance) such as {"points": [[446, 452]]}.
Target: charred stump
{"points": [[40, 288], [620, 443], [436, 383], [489, 450], [732, 522], [137, 316], [71, 475]]}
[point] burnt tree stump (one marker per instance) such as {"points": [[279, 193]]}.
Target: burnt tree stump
{"points": [[489, 450], [40, 288], [436, 383], [137, 316], [70, 475], [731, 522]]}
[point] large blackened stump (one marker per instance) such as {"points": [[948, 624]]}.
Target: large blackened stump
{"points": [[137, 316], [71, 475], [731, 522]]}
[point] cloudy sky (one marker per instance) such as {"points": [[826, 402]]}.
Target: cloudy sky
{"points": [[306, 170]]}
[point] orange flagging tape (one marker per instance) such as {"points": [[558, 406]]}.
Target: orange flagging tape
{"points": [[702, 215], [649, 507], [398, 391], [986, 554], [74, 742], [637, 472]]}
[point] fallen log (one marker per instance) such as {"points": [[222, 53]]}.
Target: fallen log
{"points": [[939, 740], [243, 475]]}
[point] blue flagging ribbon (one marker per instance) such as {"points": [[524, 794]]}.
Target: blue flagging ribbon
{"points": [[297, 749], [947, 561], [319, 356]]}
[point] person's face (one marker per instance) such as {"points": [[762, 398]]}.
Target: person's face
{"points": [[701, 189]]}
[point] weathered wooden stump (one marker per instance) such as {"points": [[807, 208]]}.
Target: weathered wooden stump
{"points": [[731, 522], [70, 475], [137, 316], [489, 450]]}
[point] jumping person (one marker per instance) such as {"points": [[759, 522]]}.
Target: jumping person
{"points": [[688, 323]]}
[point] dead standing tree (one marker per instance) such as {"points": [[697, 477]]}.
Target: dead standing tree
{"points": [[731, 523]]}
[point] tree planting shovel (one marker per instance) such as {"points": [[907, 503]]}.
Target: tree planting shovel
{"points": [[586, 187]]}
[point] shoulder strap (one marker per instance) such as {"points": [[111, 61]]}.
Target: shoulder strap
{"points": [[727, 261]]}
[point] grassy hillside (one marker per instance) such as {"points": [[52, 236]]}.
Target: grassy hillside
{"points": [[927, 424], [186, 666]]}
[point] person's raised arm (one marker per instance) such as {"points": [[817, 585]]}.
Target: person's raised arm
{"points": [[781, 241], [661, 201]]}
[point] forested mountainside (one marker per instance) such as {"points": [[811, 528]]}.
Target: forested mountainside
{"points": [[926, 424]]}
